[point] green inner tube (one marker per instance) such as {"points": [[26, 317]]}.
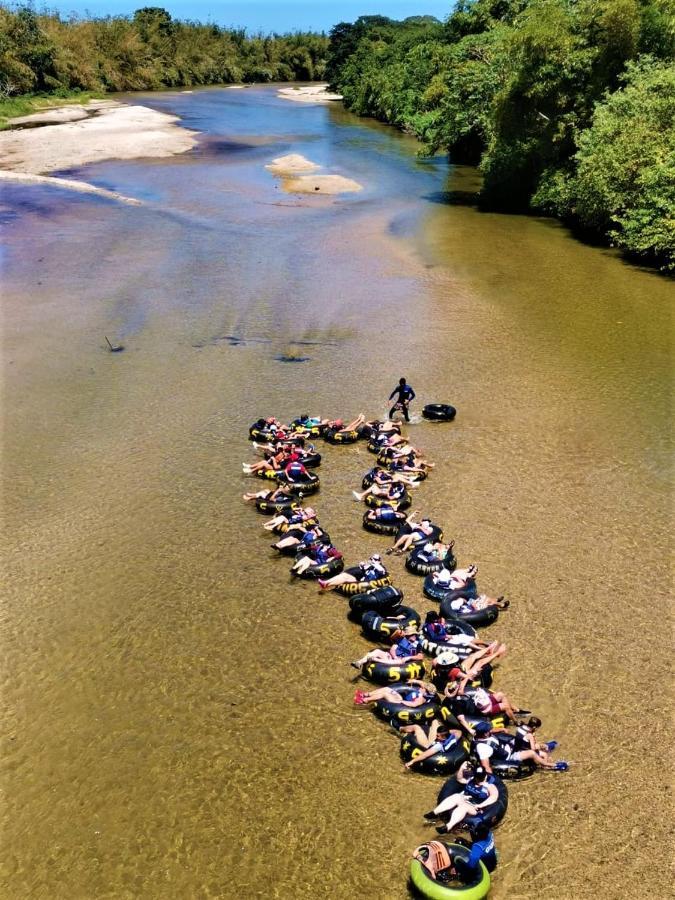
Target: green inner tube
{"points": [[437, 890]]}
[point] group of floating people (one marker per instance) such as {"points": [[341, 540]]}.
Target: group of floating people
{"points": [[432, 676]]}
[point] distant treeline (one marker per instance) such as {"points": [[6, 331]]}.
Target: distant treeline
{"points": [[47, 53], [568, 106]]}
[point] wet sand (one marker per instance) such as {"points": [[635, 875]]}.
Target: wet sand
{"points": [[293, 170], [315, 93]]}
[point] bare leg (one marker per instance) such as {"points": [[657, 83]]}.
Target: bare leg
{"points": [[541, 759], [417, 732], [253, 495], [462, 810], [273, 523], [448, 804], [359, 420], [343, 578], [374, 656], [287, 542]]}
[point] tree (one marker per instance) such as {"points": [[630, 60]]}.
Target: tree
{"points": [[624, 183]]}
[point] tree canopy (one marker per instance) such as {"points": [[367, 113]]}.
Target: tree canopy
{"points": [[564, 104], [49, 53]]}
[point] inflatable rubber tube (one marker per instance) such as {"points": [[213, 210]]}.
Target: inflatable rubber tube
{"points": [[514, 770], [369, 478], [389, 528], [393, 672], [268, 474], [383, 600], [259, 433], [325, 570], [292, 550], [441, 763], [403, 502], [439, 412], [267, 507], [311, 460], [360, 585], [491, 815], [439, 677], [340, 437], [418, 565], [400, 714], [285, 527], [455, 626], [304, 488], [478, 619], [379, 628], [307, 430], [427, 886], [434, 591], [499, 722]]}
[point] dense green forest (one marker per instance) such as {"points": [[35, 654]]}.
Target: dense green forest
{"points": [[568, 106], [51, 54]]}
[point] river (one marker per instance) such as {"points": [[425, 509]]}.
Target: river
{"points": [[178, 717]]}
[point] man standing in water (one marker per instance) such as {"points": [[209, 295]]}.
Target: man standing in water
{"points": [[405, 395]]}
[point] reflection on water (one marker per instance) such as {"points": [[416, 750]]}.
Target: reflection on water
{"points": [[178, 717]]}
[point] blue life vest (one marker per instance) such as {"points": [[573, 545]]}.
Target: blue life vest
{"points": [[477, 792], [449, 743], [406, 647]]}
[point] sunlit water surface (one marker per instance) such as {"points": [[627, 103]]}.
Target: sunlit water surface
{"points": [[178, 715]]}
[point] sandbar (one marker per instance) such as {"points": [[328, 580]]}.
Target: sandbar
{"points": [[73, 136], [69, 184], [299, 176], [314, 93], [324, 184], [293, 164]]}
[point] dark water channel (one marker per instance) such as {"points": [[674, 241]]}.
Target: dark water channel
{"points": [[178, 717]]}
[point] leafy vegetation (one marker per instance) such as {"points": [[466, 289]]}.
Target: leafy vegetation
{"points": [[47, 53], [568, 106]]}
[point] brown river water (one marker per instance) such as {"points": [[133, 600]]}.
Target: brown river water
{"points": [[177, 716]]}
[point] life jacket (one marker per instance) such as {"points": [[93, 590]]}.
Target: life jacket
{"points": [[501, 749], [477, 793], [521, 739], [438, 859], [406, 647], [436, 631]]}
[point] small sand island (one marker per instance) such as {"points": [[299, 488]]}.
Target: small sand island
{"points": [[313, 93], [72, 136], [298, 176]]}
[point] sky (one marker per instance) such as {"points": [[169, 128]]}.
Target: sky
{"points": [[265, 15]]}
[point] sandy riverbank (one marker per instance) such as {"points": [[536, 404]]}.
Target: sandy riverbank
{"points": [[72, 136], [299, 175], [314, 93]]}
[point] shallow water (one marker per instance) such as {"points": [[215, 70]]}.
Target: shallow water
{"points": [[178, 717]]}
